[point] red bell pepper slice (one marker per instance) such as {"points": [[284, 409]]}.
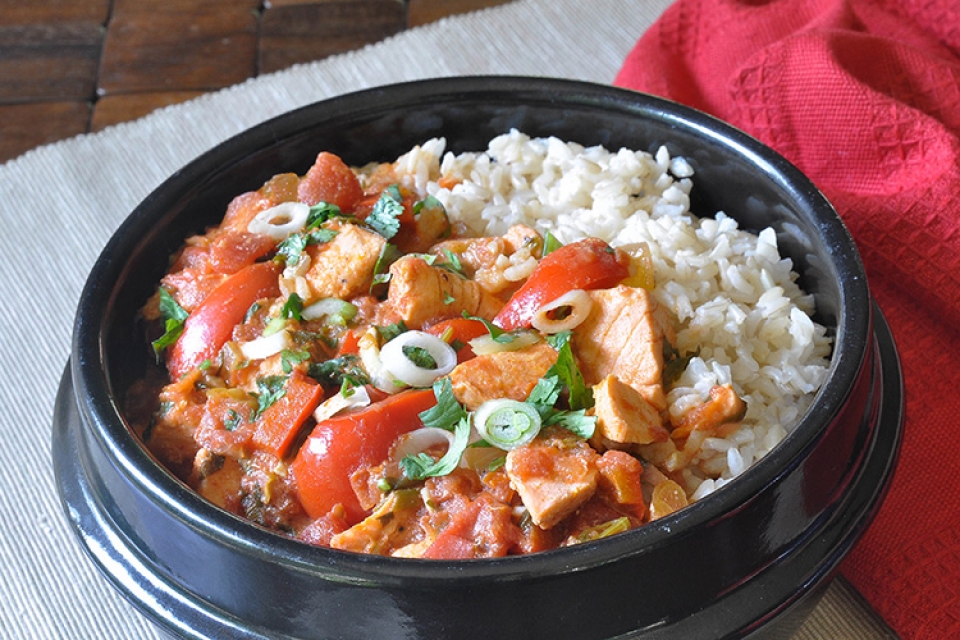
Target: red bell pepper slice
{"points": [[587, 264], [341, 445], [211, 324], [279, 424]]}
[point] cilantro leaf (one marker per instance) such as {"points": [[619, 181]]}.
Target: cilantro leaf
{"points": [[419, 356], [320, 213], [581, 396], [574, 421], [293, 307], [388, 255], [292, 248], [496, 333], [290, 358], [421, 466], [271, 389], [545, 394], [174, 318], [339, 371], [232, 420], [391, 331], [385, 216], [448, 411], [430, 202]]}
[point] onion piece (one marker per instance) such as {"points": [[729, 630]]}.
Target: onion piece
{"points": [[395, 358], [579, 303], [419, 440], [485, 344], [281, 221], [507, 424], [266, 346], [369, 348], [336, 311], [359, 397]]}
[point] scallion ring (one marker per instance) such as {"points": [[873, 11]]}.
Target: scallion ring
{"points": [[564, 313], [281, 221], [507, 424], [418, 358], [335, 310]]}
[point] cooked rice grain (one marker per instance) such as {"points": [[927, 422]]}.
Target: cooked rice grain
{"points": [[731, 293]]}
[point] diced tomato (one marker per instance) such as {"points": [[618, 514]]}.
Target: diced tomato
{"points": [[211, 324], [330, 180], [337, 447], [455, 542], [227, 253], [279, 424], [588, 264], [482, 529], [462, 330]]}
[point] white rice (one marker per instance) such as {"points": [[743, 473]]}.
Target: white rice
{"points": [[730, 292]]}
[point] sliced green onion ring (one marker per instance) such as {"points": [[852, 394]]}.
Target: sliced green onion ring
{"points": [[281, 221], [335, 310], [578, 304], [507, 424], [396, 361]]}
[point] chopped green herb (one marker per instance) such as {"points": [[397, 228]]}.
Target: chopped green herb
{"points": [[496, 333], [203, 366], [292, 307], [419, 356], [448, 411], [251, 311], [320, 213], [388, 255], [430, 202], [385, 216], [421, 466], [448, 299], [391, 331], [574, 421], [232, 420], [452, 263], [581, 396], [174, 317], [271, 389], [292, 248], [288, 359], [338, 371]]}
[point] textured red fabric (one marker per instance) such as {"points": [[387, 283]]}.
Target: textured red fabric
{"points": [[864, 97]]}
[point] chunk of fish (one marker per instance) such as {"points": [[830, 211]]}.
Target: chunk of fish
{"points": [[505, 374], [623, 336], [343, 268], [420, 294], [554, 476], [624, 416]]}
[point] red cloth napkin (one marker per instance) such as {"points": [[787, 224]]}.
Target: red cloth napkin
{"points": [[864, 97]]}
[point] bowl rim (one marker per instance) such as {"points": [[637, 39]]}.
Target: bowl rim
{"points": [[111, 430]]}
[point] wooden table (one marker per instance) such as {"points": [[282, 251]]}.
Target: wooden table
{"points": [[74, 66]]}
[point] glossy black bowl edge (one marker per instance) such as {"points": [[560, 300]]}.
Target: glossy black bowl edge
{"points": [[781, 597], [279, 131]]}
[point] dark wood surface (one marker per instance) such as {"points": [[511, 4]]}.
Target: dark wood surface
{"points": [[74, 66]]}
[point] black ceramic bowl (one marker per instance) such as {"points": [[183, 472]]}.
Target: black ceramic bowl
{"points": [[748, 559]]}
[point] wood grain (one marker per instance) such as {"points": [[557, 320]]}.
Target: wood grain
{"points": [[75, 66]]}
